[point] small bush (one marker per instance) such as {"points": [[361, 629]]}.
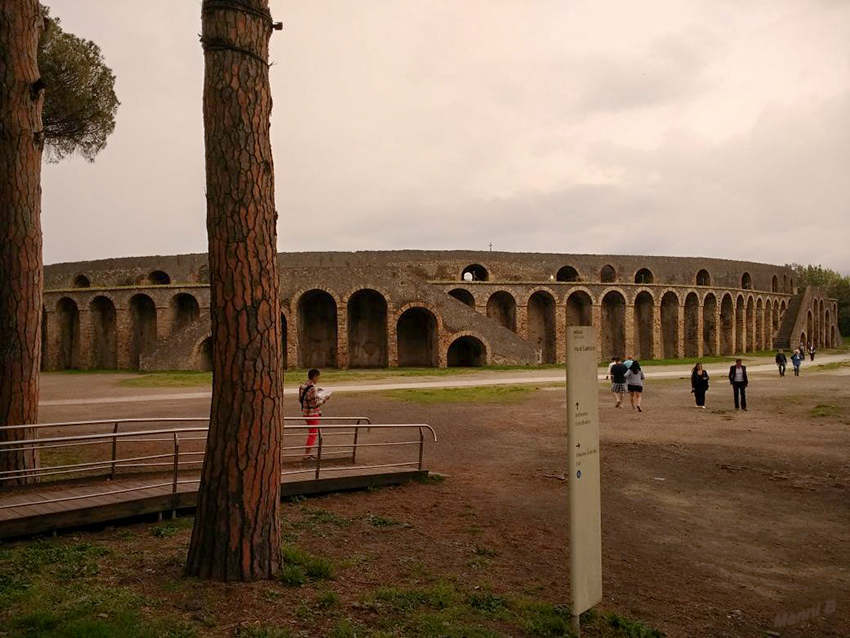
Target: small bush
{"points": [[376, 520]]}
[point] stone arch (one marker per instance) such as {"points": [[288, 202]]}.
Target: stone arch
{"points": [[727, 325], [204, 355], [463, 296], [284, 340], [142, 327], [770, 323], [607, 274], [644, 276], [501, 308], [785, 283], [751, 324], [466, 351], [828, 331], [317, 329], [774, 284], [417, 337], [703, 278], [184, 310], [740, 323], [567, 273], [613, 332], [580, 309], [803, 340], [541, 324], [709, 325], [367, 329], [81, 281], [104, 334], [159, 278], [474, 272], [692, 335], [644, 322], [68, 357], [821, 325], [760, 324], [746, 281], [670, 325], [809, 326]]}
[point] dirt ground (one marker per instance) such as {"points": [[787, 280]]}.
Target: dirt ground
{"points": [[714, 521]]}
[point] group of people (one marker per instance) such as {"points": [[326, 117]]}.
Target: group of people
{"points": [[627, 376], [796, 359]]}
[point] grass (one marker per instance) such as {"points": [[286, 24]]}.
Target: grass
{"points": [[300, 566], [824, 411], [481, 394], [835, 365], [175, 379]]}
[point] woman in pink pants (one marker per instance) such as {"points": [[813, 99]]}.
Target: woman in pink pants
{"points": [[310, 400]]}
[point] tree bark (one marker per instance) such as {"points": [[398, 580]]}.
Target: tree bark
{"points": [[237, 528], [21, 275]]}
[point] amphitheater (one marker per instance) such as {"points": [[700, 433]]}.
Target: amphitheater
{"points": [[434, 309]]}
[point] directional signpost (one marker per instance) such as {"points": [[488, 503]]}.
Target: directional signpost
{"points": [[583, 440]]}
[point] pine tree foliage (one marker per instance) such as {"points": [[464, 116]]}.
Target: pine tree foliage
{"points": [[80, 102]]}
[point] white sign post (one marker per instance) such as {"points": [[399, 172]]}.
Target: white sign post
{"points": [[583, 438]]}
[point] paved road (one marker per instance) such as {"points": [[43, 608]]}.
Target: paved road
{"points": [[547, 376]]}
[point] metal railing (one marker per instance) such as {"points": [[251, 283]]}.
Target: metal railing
{"points": [[177, 459]]}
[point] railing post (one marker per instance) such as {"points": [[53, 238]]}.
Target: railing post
{"points": [[114, 450], [319, 454], [354, 448], [176, 474], [421, 446]]}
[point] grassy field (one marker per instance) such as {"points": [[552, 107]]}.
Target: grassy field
{"points": [[481, 394]]}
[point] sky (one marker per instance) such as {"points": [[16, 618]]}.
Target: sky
{"points": [[715, 128]]}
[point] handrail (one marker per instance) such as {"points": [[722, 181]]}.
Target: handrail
{"points": [[34, 426]]}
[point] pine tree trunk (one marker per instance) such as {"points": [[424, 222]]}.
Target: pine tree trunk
{"points": [[21, 276], [237, 527]]}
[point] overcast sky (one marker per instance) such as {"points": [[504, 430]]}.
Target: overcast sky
{"points": [[716, 128]]}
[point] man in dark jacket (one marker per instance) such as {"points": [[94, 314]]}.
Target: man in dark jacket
{"points": [[781, 361], [738, 379]]}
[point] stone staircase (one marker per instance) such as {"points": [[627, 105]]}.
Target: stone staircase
{"points": [[783, 337]]}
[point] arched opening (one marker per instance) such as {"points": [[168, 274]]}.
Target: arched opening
{"points": [[81, 281], [740, 325], [613, 325], [774, 284], [607, 274], [501, 308], [746, 281], [827, 330], [644, 276], [810, 324], [184, 310], [143, 327], [803, 341], [692, 335], [541, 324], [770, 324], [579, 309], [317, 332], [284, 351], [709, 326], [367, 330], [567, 273], [727, 326], [670, 326], [104, 334], [785, 283], [466, 352], [831, 337], [703, 278], [159, 278], [821, 325], [463, 296], [760, 325], [205, 355], [44, 340], [751, 325], [68, 357], [644, 320], [417, 338], [791, 288], [475, 272], [782, 309]]}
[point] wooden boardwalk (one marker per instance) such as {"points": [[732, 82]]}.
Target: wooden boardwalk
{"points": [[38, 509]]}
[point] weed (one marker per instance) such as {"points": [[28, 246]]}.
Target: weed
{"points": [[263, 631], [165, 530], [631, 628], [299, 566], [480, 394], [486, 552], [486, 602], [431, 479], [544, 620], [327, 599], [376, 520], [440, 596], [345, 629], [822, 411]]}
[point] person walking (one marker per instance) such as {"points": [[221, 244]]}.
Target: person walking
{"points": [[812, 351], [634, 383], [618, 381], [311, 399], [611, 365], [738, 380], [781, 362], [699, 384], [796, 360]]}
